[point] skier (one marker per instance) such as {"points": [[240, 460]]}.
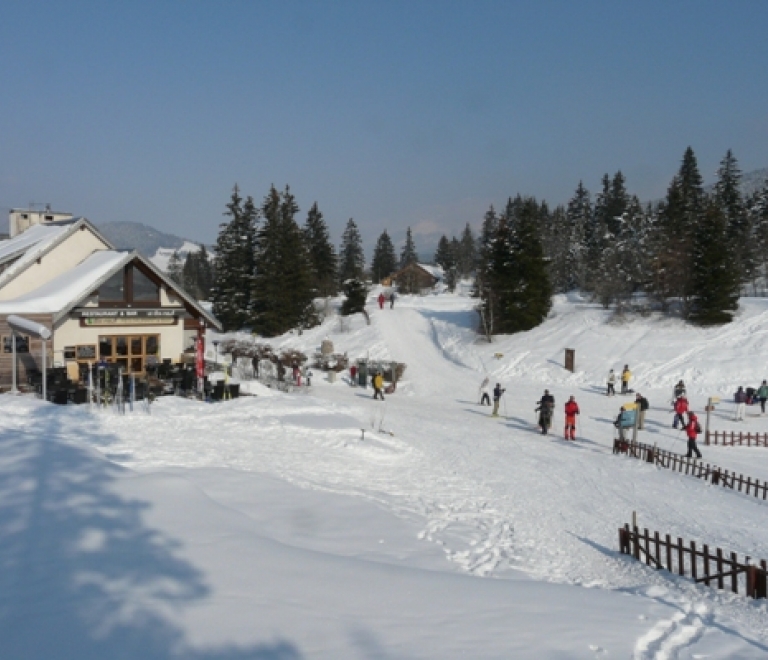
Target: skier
{"points": [[679, 390], [391, 300], [497, 393], [681, 407], [381, 300], [762, 395], [378, 386], [545, 409], [571, 410], [485, 399], [692, 429], [625, 377], [622, 422], [740, 397], [642, 406], [611, 391]]}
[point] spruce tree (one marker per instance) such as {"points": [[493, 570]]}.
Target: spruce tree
{"points": [[408, 253], [731, 202], [351, 255], [678, 219], [715, 283], [355, 295], [234, 264], [467, 256], [175, 268], [579, 223], [517, 295], [384, 261], [322, 254], [446, 258], [283, 289]]}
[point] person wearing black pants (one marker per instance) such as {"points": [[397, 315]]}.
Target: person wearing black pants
{"points": [[762, 395], [692, 429]]}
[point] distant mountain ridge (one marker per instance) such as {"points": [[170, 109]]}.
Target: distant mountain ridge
{"points": [[137, 236]]}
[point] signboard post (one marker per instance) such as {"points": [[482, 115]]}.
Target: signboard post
{"points": [[570, 359], [711, 401]]}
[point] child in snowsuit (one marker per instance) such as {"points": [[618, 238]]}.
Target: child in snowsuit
{"points": [[611, 391], [625, 376], [681, 407], [571, 410], [381, 300], [692, 429]]}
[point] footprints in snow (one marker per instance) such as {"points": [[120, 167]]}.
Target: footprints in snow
{"points": [[668, 637]]}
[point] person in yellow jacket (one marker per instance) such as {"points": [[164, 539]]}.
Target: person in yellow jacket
{"points": [[625, 376], [378, 386]]}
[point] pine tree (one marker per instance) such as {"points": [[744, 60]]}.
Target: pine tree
{"points": [[715, 290], [517, 295], [355, 293], [579, 223], [322, 254], [283, 289], [488, 230], [446, 258], [467, 256], [731, 202], [408, 253], [384, 261], [351, 255], [175, 268], [234, 265], [678, 219]]}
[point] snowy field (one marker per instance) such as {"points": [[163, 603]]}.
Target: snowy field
{"points": [[268, 528]]}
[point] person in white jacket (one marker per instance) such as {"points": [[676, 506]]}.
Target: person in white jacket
{"points": [[611, 391]]}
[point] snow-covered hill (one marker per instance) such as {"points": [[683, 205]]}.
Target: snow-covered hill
{"points": [[268, 527]]}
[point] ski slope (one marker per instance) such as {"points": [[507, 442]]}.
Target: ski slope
{"points": [[269, 527]]}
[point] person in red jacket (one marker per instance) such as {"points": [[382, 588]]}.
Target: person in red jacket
{"points": [[681, 407], [692, 429], [381, 300], [571, 410]]}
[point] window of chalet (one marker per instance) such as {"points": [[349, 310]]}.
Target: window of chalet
{"points": [[129, 287]]}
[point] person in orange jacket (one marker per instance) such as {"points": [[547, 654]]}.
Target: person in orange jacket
{"points": [[571, 410]]}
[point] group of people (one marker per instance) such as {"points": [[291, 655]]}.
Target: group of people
{"points": [[745, 397], [382, 299], [626, 376]]}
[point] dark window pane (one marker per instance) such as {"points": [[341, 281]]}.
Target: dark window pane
{"points": [[121, 346], [105, 347], [153, 347], [136, 365], [112, 289], [143, 287], [136, 346]]}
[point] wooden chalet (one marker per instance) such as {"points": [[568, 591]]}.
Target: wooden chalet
{"points": [[415, 278]]}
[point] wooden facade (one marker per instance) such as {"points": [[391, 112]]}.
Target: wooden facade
{"points": [[412, 278], [29, 352]]}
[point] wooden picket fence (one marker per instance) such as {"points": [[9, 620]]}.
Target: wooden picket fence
{"points": [[714, 569], [731, 438], [692, 467]]}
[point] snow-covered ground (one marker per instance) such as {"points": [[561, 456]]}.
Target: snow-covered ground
{"points": [[268, 527]]}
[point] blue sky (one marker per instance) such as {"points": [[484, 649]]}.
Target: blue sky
{"points": [[394, 113]]}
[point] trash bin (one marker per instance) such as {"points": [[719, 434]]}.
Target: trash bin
{"points": [[331, 376]]}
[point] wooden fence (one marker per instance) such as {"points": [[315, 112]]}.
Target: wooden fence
{"points": [[731, 438], [715, 569], [695, 468]]}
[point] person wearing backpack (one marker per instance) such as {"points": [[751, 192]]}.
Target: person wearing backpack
{"points": [[692, 429], [762, 395]]}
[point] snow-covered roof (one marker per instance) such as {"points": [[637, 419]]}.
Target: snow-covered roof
{"points": [[33, 243], [72, 286], [434, 271]]}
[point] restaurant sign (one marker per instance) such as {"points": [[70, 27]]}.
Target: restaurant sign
{"points": [[128, 316]]}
